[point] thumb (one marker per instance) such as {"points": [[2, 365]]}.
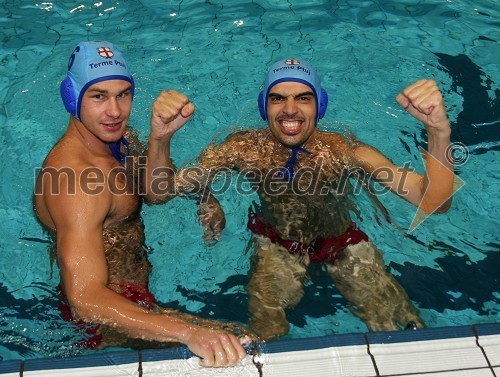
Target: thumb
{"points": [[188, 110]]}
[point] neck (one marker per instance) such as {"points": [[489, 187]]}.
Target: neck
{"points": [[91, 142], [308, 143]]}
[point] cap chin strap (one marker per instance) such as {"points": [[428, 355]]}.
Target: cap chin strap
{"points": [[116, 151], [287, 171]]}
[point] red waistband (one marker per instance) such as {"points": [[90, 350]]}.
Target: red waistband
{"points": [[133, 292], [320, 250]]}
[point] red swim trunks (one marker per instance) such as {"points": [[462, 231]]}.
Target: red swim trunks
{"points": [[133, 292], [320, 250]]}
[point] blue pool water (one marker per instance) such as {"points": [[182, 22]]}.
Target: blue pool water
{"points": [[217, 53]]}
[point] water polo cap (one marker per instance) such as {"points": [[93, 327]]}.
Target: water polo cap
{"points": [[90, 63], [297, 71]]}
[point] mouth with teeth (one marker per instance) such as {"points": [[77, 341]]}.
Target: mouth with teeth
{"points": [[290, 126], [113, 126]]}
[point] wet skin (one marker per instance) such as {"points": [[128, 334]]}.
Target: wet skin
{"points": [[99, 234]]}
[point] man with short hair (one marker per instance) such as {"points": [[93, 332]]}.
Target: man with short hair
{"points": [[93, 212], [304, 213]]}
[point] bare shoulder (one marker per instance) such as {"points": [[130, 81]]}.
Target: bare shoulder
{"points": [[336, 142], [333, 137], [62, 194], [65, 154]]}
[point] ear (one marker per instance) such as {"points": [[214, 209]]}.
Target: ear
{"points": [[68, 95], [323, 103], [262, 105]]}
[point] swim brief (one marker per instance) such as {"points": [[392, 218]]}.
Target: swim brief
{"points": [[320, 250], [133, 292]]}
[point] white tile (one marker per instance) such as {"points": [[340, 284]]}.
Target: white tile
{"points": [[331, 362], [191, 368], [491, 346], [455, 373], [428, 356]]}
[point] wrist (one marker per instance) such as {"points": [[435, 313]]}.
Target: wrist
{"points": [[176, 329], [439, 133], [187, 332], [162, 138]]}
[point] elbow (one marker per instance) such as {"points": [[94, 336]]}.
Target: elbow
{"points": [[83, 304], [81, 309], [435, 207], [445, 207]]}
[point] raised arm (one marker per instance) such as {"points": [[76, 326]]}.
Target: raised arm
{"points": [[424, 101], [170, 112], [432, 191]]}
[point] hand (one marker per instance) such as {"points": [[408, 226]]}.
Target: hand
{"points": [[170, 112], [216, 348], [212, 219], [424, 101]]}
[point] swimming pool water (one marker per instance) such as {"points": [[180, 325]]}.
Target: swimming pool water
{"points": [[217, 52]]}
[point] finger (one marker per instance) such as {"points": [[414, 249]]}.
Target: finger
{"points": [[187, 110], [175, 97], [428, 100], [411, 91], [170, 103], [220, 356], [402, 100], [208, 359], [232, 349], [240, 344]]}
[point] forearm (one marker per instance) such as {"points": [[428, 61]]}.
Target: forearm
{"points": [[158, 179], [104, 306], [438, 181]]}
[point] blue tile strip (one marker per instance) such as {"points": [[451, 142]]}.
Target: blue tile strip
{"points": [[421, 335], [10, 366], [289, 345], [340, 340], [488, 329], [97, 359]]}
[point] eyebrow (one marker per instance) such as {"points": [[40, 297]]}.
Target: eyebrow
{"points": [[106, 91], [308, 93]]}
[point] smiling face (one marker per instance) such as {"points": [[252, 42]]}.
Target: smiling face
{"points": [[105, 109], [291, 112]]}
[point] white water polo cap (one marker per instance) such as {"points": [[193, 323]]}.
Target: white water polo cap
{"points": [[297, 71], [90, 63]]}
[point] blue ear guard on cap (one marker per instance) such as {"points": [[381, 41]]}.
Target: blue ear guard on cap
{"points": [[90, 63], [296, 71]]}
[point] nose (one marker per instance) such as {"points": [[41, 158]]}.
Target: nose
{"points": [[289, 106], [113, 109]]}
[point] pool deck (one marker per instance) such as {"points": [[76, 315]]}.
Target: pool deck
{"points": [[469, 351]]}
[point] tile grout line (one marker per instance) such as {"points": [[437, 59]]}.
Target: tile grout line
{"points": [[139, 355], [371, 356], [482, 350]]}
